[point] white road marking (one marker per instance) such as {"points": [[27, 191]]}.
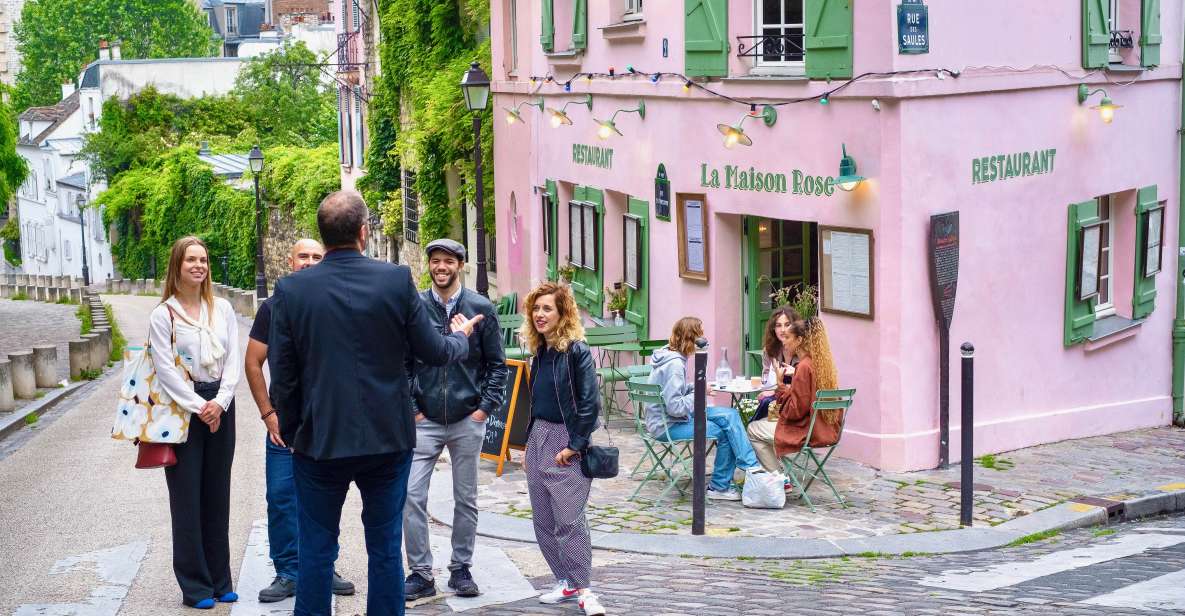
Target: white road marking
{"points": [[256, 574], [1166, 592], [1009, 574], [115, 567], [495, 574]]}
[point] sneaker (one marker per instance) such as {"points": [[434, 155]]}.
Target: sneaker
{"points": [[590, 604], [462, 582], [280, 589], [561, 592], [731, 494], [342, 586], [416, 586]]}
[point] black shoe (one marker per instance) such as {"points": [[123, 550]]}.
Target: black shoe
{"points": [[280, 589], [417, 587], [462, 582], [342, 586]]}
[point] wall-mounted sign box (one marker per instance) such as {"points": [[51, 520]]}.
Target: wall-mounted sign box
{"points": [[692, 213], [845, 271]]}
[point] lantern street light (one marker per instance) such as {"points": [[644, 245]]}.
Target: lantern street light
{"points": [[255, 158], [475, 86], [735, 133], [847, 180], [86, 273], [1106, 106]]}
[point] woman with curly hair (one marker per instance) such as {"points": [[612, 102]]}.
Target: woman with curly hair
{"points": [[565, 404], [784, 432]]}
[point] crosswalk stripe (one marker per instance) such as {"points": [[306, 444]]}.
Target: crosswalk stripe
{"points": [[1009, 574], [256, 574], [1166, 592], [495, 574]]}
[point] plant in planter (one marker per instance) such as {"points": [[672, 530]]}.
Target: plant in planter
{"points": [[617, 300], [804, 299], [567, 272]]}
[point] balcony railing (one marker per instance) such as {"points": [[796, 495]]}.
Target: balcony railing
{"points": [[349, 51], [786, 47], [1122, 39]]}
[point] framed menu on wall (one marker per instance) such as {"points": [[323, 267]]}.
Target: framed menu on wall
{"points": [[692, 214], [846, 270]]}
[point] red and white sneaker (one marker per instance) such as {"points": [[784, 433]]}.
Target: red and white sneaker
{"points": [[562, 592], [590, 604]]}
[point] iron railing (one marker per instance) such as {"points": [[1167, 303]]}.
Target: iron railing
{"points": [[786, 47], [349, 51], [1122, 39]]}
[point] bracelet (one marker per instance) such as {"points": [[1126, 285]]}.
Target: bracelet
{"points": [[267, 414]]}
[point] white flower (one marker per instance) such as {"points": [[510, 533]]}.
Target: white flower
{"points": [[166, 426], [129, 418]]}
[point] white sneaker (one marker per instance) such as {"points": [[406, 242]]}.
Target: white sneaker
{"points": [[731, 494], [590, 604], [562, 592]]}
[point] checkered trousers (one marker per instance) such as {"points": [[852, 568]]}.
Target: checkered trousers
{"points": [[559, 495]]}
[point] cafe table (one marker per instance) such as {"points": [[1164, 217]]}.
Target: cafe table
{"points": [[739, 389]]}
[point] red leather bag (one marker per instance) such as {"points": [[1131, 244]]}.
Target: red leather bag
{"points": [[155, 455]]}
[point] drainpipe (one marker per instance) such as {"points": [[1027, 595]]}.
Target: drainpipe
{"points": [[1179, 319]]}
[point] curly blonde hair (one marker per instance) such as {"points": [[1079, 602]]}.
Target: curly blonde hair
{"points": [[567, 331], [818, 348]]}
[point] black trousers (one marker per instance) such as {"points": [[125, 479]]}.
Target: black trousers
{"points": [[199, 504]]}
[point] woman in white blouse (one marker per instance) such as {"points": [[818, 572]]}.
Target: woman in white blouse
{"points": [[207, 343]]}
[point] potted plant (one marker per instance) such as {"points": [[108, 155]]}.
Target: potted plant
{"points": [[567, 272], [803, 298], [617, 301]]}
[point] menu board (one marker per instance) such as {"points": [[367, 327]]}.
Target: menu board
{"points": [[506, 427], [846, 270], [693, 236], [944, 264]]}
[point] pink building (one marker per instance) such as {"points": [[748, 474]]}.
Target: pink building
{"points": [[1062, 214]]}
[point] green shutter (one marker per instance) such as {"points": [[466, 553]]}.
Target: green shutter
{"points": [[1144, 287], [1079, 314], [828, 39], [547, 39], [552, 231], [637, 310], [589, 285], [1150, 33], [1096, 33], [580, 25], [705, 38]]}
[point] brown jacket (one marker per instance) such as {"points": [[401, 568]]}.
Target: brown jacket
{"points": [[794, 416]]}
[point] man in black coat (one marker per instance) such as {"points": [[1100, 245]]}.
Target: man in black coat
{"points": [[340, 336]]}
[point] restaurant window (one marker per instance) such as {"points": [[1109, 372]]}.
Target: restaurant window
{"points": [[781, 28], [232, 26], [1104, 306], [633, 10], [513, 35], [585, 230], [564, 26]]}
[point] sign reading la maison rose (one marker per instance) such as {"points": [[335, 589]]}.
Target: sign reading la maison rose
{"points": [[593, 156], [1008, 166], [739, 178]]}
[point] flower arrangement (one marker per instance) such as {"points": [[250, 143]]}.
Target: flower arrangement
{"points": [[567, 272], [617, 300]]}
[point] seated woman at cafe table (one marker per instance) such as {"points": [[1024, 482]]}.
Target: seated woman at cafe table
{"points": [[783, 432], [669, 369], [775, 353]]}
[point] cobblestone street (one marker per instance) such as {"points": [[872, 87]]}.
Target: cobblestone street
{"points": [[27, 323]]}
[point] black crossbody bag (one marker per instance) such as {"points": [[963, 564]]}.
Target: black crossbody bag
{"points": [[596, 462]]}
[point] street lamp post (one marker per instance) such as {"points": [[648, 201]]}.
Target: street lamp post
{"points": [[86, 273], [256, 161], [475, 85]]}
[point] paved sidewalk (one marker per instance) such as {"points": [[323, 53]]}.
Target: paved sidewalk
{"points": [[1008, 486], [27, 323]]}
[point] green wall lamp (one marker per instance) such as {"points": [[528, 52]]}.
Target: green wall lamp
{"points": [[735, 133], [608, 128], [1106, 106], [513, 115], [847, 180], [560, 117]]}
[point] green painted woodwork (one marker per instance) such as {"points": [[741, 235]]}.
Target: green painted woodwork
{"points": [[828, 39], [1150, 36], [637, 310], [552, 231], [1144, 288], [1079, 324], [1096, 33], [778, 253], [580, 25], [705, 34], [547, 38], [588, 285]]}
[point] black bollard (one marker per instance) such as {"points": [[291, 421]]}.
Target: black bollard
{"points": [[699, 446], [967, 482]]}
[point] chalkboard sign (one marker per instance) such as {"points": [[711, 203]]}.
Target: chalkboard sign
{"points": [[506, 427], [662, 194], [944, 265], [913, 27]]}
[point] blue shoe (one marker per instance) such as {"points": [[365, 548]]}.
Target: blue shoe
{"points": [[229, 597], [204, 604]]}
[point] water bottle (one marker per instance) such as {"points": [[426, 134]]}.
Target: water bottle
{"points": [[617, 320], [723, 371]]}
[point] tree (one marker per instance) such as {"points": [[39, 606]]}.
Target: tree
{"points": [[284, 99], [12, 167], [56, 38]]}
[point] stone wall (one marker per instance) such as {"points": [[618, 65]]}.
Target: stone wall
{"points": [[280, 235]]}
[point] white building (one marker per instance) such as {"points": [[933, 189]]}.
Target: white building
{"points": [[10, 58]]}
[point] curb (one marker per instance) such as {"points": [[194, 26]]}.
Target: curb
{"points": [[39, 407], [1065, 516]]}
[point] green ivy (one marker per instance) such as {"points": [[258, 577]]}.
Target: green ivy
{"points": [[297, 179]]}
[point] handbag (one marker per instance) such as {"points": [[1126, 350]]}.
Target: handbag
{"points": [[145, 413], [596, 461]]}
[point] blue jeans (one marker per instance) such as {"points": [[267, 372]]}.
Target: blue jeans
{"points": [[321, 488], [732, 443], [282, 524]]}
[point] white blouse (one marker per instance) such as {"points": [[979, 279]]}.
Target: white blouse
{"points": [[229, 367]]}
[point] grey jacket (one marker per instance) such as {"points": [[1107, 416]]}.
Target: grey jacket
{"points": [[669, 369]]}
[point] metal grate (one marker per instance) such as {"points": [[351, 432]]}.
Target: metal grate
{"points": [[772, 47]]}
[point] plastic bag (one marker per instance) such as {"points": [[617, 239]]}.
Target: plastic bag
{"points": [[764, 490]]}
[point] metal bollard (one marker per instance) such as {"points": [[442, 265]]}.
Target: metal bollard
{"points": [[699, 446], [967, 429], [45, 365]]}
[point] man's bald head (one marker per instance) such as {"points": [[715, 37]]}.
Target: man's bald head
{"points": [[341, 218], [305, 252]]}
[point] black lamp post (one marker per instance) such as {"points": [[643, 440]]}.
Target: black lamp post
{"points": [[225, 272], [256, 161], [475, 85], [86, 272]]}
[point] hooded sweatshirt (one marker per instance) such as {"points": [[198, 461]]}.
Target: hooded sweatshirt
{"points": [[669, 369]]}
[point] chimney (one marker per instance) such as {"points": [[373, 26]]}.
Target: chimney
{"points": [[67, 89], [115, 54], [104, 52]]}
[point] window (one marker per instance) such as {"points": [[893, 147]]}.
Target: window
{"points": [[780, 29], [1114, 48], [1104, 306], [582, 235], [361, 125], [66, 249], [357, 13], [633, 10], [213, 20], [349, 125], [411, 208], [341, 128], [513, 35], [48, 174], [548, 223], [575, 233], [1153, 238], [232, 25], [631, 258]]}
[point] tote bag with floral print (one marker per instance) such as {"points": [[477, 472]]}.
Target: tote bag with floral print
{"points": [[146, 412]]}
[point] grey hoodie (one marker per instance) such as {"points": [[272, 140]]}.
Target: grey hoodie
{"points": [[669, 369]]}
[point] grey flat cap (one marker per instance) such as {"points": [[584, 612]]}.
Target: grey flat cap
{"points": [[452, 247]]}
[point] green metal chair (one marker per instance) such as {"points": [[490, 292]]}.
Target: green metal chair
{"points": [[608, 336], [669, 458], [507, 304], [508, 325], [805, 466]]}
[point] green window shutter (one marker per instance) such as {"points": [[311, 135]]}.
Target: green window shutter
{"points": [[637, 310], [828, 39], [591, 283], [1150, 33], [1096, 33], [580, 25], [1144, 287], [547, 39], [1079, 314], [705, 38], [552, 231]]}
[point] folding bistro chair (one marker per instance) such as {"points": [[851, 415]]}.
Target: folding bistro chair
{"points": [[507, 304], [508, 325], [662, 458], [805, 466], [610, 341]]}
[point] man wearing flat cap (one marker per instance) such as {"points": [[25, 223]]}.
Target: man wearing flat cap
{"points": [[451, 404]]}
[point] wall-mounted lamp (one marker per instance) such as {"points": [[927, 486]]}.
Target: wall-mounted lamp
{"points": [[847, 180], [1106, 107], [513, 115], [560, 116], [607, 128], [735, 133]]}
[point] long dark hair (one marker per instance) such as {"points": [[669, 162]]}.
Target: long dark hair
{"points": [[770, 343]]}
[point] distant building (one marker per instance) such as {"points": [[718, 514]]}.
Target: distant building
{"points": [[10, 59], [254, 27]]}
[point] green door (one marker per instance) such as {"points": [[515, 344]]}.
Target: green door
{"points": [[778, 254], [637, 309], [551, 206]]}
